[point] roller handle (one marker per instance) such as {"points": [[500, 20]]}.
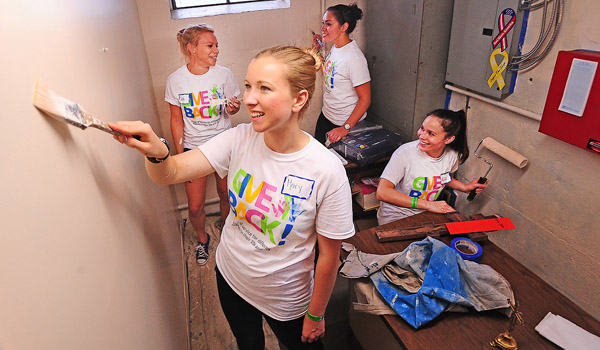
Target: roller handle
{"points": [[472, 194]]}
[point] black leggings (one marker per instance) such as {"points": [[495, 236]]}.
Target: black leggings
{"points": [[245, 322], [323, 127]]}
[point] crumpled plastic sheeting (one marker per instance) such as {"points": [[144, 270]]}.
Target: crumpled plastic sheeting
{"points": [[447, 280]]}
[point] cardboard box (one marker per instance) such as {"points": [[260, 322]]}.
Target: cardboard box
{"points": [[367, 201], [367, 196]]}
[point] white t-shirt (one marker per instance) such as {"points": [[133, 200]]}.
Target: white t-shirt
{"points": [[416, 174], [279, 202], [193, 93], [344, 69]]}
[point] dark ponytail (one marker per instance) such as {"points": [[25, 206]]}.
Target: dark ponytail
{"points": [[455, 124], [346, 14]]}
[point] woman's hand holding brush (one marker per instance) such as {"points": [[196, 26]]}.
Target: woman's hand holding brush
{"points": [[140, 136], [176, 169]]}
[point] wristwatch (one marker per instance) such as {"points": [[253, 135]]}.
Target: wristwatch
{"points": [[160, 160], [347, 126]]}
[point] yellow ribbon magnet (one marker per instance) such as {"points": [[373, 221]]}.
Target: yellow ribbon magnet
{"points": [[498, 69]]}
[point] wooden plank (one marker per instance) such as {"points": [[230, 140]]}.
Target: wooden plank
{"points": [[408, 233], [430, 229]]}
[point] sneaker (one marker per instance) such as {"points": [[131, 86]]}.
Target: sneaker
{"points": [[202, 252]]}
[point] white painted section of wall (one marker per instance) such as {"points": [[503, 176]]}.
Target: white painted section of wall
{"points": [[240, 36], [90, 250], [553, 200]]}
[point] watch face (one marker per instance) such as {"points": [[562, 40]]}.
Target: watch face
{"points": [[347, 126]]}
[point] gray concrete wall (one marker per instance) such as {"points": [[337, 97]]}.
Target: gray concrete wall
{"points": [[406, 50]]}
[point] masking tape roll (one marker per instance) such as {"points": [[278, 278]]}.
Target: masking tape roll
{"points": [[467, 249]]}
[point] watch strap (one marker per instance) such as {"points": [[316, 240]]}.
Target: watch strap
{"points": [[160, 160]]}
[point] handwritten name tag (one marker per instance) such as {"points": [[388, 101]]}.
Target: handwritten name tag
{"points": [[184, 99], [445, 177], [297, 187]]}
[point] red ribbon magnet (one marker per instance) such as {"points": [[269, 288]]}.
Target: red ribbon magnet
{"points": [[504, 28]]}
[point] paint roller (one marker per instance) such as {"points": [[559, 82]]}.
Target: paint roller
{"points": [[501, 150]]}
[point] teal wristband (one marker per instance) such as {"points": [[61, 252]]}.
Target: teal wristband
{"points": [[313, 317], [413, 201]]}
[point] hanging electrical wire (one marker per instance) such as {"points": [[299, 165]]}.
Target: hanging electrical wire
{"points": [[550, 23]]}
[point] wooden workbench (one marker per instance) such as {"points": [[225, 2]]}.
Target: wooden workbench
{"points": [[472, 330]]}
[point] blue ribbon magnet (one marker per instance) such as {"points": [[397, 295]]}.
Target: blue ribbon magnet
{"points": [[467, 249]]}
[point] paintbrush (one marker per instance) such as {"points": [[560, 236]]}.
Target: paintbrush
{"points": [[318, 38], [67, 111]]}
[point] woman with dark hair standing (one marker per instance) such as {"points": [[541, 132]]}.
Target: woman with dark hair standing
{"points": [[419, 170], [347, 87]]}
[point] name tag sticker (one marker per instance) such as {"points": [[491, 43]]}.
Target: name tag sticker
{"points": [[446, 178], [297, 187], [184, 99]]}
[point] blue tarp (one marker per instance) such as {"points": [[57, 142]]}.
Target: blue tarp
{"points": [[447, 279]]}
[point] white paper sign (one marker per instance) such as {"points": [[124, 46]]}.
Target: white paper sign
{"points": [[579, 84]]}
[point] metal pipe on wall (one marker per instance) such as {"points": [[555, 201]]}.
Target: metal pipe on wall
{"points": [[503, 105]]}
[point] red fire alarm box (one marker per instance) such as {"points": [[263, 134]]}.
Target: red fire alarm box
{"points": [[572, 111]]}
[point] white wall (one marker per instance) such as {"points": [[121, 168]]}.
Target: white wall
{"points": [[90, 249], [551, 201], [240, 36]]}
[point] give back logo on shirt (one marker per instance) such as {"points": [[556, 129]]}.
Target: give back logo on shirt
{"points": [[270, 212], [198, 105], [329, 73], [428, 188]]}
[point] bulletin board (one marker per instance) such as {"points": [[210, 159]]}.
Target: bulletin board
{"points": [[572, 110]]}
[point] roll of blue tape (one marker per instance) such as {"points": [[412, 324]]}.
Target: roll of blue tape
{"points": [[467, 249]]}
